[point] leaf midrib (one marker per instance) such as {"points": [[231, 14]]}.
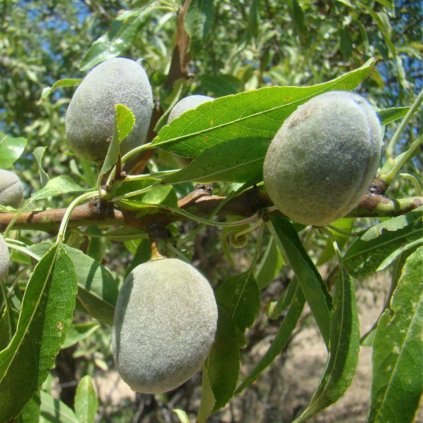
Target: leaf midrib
{"points": [[13, 356], [377, 246], [210, 175], [393, 373], [251, 116], [335, 358]]}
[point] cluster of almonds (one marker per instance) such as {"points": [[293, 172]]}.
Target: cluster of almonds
{"points": [[318, 165]]}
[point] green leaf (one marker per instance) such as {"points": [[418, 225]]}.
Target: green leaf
{"points": [[256, 114], [297, 17], [382, 243], [310, 281], [207, 397], [163, 194], [157, 195], [11, 149], [120, 188], [392, 114], [46, 314], [198, 22], [59, 185], [294, 308], [240, 296], [55, 411], [86, 401], [223, 361], [269, 266], [111, 44], [220, 84], [38, 153], [119, 38], [97, 287], [78, 332], [61, 83], [254, 18], [397, 349], [225, 162], [345, 43], [344, 348], [31, 413], [124, 123], [141, 253], [182, 415]]}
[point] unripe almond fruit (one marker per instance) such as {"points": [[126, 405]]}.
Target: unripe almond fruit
{"points": [[187, 103], [4, 258], [323, 158], [90, 118], [11, 189], [164, 325]]}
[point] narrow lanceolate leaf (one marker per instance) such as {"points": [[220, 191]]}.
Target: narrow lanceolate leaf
{"points": [[241, 298], [124, 123], [207, 397], [46, 314], [59, 185], [248, 120], [10, 150], [292, 314], [223, 360], [182, 415], [309, 279], [55, 411], [343, 348], [86, 401], [119, 37], [97, 287], [198, 23], [61, 83], [225, 163], [78, 332], [269, 266], [383, 243], [38, 154], [397, 349], [392, 114], [31, 413]]}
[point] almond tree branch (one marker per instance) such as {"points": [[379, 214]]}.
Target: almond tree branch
{"points": [[97, 213]]}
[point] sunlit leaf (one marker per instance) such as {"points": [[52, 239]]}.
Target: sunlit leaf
{"points": [[397, 349], [124, 123], [61, 83], [11, 149], [344, 347], [308, 277], [45, 316], [86, 401], [249, 119], [223, 362], [60, 185], [382, 243], [55, 411]]}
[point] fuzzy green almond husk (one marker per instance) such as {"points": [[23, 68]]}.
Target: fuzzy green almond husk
{"points": [[323, 158], [164, 325], [187, 103], [4, 258], [11, 189], [90, 118]]}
